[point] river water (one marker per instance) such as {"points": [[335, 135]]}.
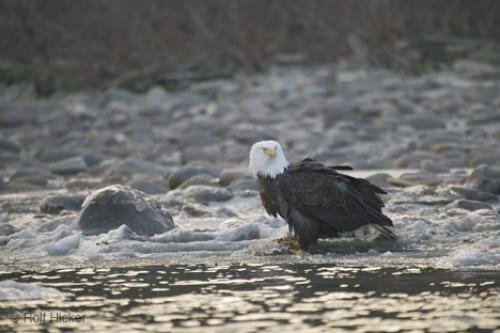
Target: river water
{"points": [[258, 298]]}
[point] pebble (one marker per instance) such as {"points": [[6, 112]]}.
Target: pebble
{"points": [[472, 205], [116, 205], [433, 166], [190, 170], [148, 186], [472, 194], [228, 176], [14, 114], [379, 179], [205, 194], [56, 203], [133, 166], [243, 185], [201, 179], [69, 166]]}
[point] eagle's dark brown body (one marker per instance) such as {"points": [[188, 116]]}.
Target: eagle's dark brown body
{"points": [[318, 202]]}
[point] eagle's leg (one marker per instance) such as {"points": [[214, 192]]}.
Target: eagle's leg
{"points": [[293, 244]]}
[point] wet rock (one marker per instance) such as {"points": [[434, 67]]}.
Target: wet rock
{"points": [[202, 179], [113, 206], [472, 194], [69, 166], [485, 178], [472, 205], [207, 194], [148, 186], [190, 170], [56, 203]]}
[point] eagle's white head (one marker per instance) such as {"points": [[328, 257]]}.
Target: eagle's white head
{"points": [[267, 159]]}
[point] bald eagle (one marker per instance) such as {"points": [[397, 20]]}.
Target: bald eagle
{"points": [[315, 200]]}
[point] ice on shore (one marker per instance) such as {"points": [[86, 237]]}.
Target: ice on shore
{"points": [[16, 291]]}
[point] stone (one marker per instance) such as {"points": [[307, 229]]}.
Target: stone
{"points": [[195, 210], [422, 178], [472, 194], [200, 154], [243, 185], [14, 114], [485, 178], [31, 175], [80, 184], [116, 205], [205, 194], [148, 186], [472, 205], [202, 179], [228, 176], [56, 203], [69, 166], [132, 166], [54, 154], [184, 173], [433, 166], [379, 179]]}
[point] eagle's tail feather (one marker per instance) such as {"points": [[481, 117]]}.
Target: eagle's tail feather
{"points": [[385, 232]]}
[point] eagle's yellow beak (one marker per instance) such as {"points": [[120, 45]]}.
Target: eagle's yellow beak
{"points": [[270, 152]]}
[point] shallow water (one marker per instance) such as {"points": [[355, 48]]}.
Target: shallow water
{"points": [[251, 298]]}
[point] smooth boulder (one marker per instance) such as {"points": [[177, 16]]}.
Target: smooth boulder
{"points": [[115, 205]]}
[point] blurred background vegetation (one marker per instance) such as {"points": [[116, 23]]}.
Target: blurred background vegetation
{"points": [[81, 44]]}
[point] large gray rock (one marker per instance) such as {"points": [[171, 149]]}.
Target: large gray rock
{"points": [[115, 205], [190, 170]]}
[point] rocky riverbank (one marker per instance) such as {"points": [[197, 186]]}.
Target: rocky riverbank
{"points": [[187, 150]]}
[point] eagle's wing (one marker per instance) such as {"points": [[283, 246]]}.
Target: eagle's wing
{"points": [[324, 196]]}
